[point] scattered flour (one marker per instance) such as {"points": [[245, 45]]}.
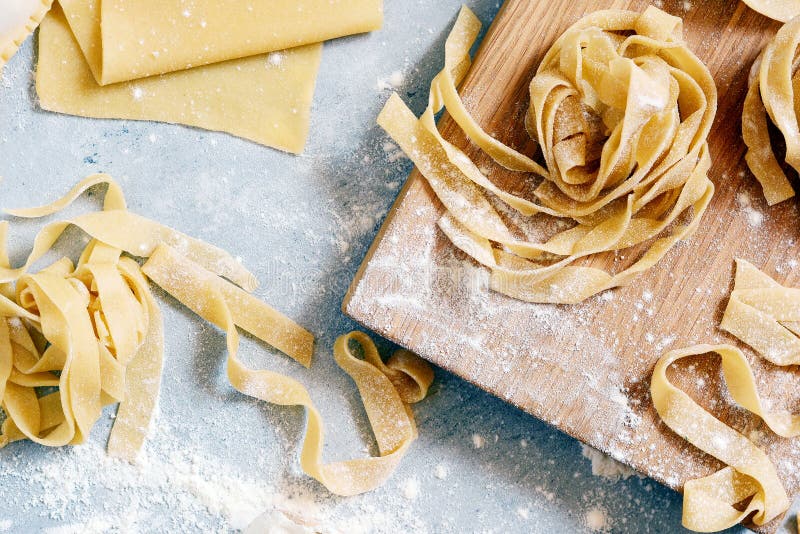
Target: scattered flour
{"points": [[752, 215], [410, 488], [391, 82], [275, 59], [440, 472], [605, 466], [477, 441], [597, 520], [277, 522]]}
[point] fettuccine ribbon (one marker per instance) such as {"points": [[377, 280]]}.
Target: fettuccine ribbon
{"points": [[98, 326], [766, 316]]}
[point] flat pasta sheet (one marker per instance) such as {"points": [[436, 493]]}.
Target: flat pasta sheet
{"points": [[265, 98]]}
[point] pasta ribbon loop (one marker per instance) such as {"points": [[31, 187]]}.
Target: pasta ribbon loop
{"points": [[386, 389], [766, 316], [620, 109]]}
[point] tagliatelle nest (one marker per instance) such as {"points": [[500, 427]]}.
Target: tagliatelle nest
{"points": [[782, 10], [621, 109], [771, 98]]}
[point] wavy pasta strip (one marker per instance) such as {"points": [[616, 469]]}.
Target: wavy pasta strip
{"points": [[621, 110], [781, 10], [94, 331], [766, 316], [708, 504], [19, 19], [770, 98], [385, 390]]}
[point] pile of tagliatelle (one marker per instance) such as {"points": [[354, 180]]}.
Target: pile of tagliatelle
{"points": [[94, 332], [621, 109], [766, 316]]}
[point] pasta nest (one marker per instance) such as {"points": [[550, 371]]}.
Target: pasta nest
{"points": [[771, 100], [621, 110], [782, 10]]}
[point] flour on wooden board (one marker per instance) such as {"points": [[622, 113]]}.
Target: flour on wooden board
{"points": [[605, 466]]}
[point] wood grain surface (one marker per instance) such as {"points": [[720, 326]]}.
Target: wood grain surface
{"points": [[585, 369]]}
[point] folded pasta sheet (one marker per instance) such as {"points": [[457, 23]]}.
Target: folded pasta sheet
{"points": [[149, 37], [766, 316], [265, 98], [18, 19], [621, 109]]}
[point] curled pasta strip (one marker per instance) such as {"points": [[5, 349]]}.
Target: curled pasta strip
{"points": [[19, 19], [781, 10], [709, 503], [766, 316], [621, 109], [771, 98], [386, 389], [98, 327]]}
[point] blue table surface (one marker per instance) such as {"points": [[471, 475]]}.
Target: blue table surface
{"points": [[302, 224]]}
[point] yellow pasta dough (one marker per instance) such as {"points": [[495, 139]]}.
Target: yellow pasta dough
{"points": [[136, 44], [782, 10], [766, 316], [266, 101], [98, 326], [771, 97], [385, 390], [708, 503], [18, 19], [621, 109]]}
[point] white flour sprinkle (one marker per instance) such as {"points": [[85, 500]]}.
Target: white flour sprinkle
{"points": [[440, 472], [410, 488], [605, 466], [596, 519], [391, 82], [477, 441]]}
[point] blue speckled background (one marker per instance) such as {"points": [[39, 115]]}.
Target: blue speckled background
{"points": [[302, 224]]}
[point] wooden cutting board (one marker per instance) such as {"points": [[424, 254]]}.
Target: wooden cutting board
{"points": [[585, 369]]}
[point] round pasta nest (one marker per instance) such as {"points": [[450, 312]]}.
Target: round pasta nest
{"points": [[621, 109], [771, 99], [781, 10]]}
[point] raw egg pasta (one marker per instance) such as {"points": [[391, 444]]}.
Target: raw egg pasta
{"points": [[781, 10], [385, 390], [766, 316], [771, 98], [621, 109], [98, 327]]}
